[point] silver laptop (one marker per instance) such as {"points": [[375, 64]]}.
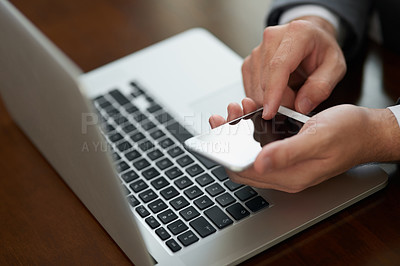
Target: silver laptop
{"points": [[114, 135]]}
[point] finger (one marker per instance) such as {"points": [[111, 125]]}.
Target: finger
{"points": [[288, 152], [293, 48], [216, 121], [249, 105], [262, 181], [234, 111], [320, 84], [247, 73]]}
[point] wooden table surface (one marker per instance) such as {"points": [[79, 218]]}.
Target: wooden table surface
{"points": [[43, 223]]}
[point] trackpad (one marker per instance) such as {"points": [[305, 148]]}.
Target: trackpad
{"points": [[215, 103]]}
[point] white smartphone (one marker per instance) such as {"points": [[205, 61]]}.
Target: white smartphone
{"points": [[236, 144]]}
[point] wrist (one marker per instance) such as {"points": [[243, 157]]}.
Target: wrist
{"points": [[384, 136]]}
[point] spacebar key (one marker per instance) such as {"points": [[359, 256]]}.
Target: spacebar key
{"points": [[179, 132]]}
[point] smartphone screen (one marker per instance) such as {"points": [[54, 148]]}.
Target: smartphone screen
{"points": [[236, 144]]}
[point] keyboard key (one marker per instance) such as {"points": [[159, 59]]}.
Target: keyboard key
{"points": [[120, 120], [142, 163], [108, 128], [131, 108], [154, 108], [111, 111], [202, 227], [150, 173], [157, 206], [115, 156], [206, 162], [159, 183], [167, 216], [179, 203], [173, 173], [157, 134], [133, 201], [232, 186], [162, 233], [138, 186], [169, 193], [189, 213], [188, 238], [193, 192], [225, 199], [154, 154], [132, 155], [163, 118], [139, 117], [145, 146], [184, 161], [129, 176], [237, 211], [183, 182], [203, 202], [204, 180], [149, 99], [179, 132], [124, 146], [149, 125], [142, 211], [115, 137], [175, 151], [148, 195], [177, 227], [245, 193], [137, 137], [194, 170], [218, 217], [129, 128], [165, 143], [220, 173], [122, 166], [215, 189], [119, 97], [173, 245], [257, 204], [164, 163], [152, 222]]}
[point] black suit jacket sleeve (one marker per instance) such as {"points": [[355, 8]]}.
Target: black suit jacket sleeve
{"points": [[353, 13]]}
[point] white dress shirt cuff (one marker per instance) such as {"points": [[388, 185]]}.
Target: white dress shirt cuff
{"points": [[313, 10], [396, 111], [309, 10]]}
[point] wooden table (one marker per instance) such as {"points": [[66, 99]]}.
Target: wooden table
{"points": [[43, 223]]}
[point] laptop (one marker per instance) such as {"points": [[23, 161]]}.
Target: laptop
{"points": [[115, 136]]}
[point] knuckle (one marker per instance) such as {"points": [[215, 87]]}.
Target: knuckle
{"points": [[268, 33], [254, 53], [276, 62], [300, 25]]}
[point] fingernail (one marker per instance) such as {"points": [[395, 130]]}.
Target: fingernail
{"points": [[305, 105], [265, 111]]}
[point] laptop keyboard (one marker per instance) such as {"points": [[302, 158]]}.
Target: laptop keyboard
{"points": [[182, 197]]}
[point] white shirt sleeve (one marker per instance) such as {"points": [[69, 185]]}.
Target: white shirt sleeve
{"points": [[312, 10], [396, 111]]}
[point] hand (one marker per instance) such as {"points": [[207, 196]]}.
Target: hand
{"points": [[303, 53], [330, 143]]}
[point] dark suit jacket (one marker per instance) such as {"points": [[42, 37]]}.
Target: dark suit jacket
{"points": [[354, 15]]}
